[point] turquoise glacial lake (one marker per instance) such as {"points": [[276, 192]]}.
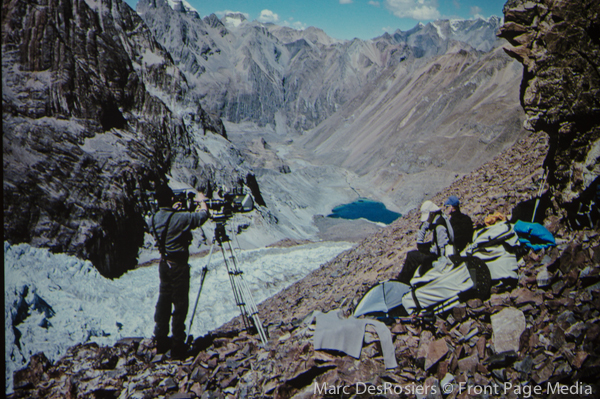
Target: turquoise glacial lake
{"points": [[365, 208]]}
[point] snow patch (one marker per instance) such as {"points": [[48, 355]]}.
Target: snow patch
{"points": [[455, 24], [151, 58], [95, 5], [233, 20], [439, 30]]}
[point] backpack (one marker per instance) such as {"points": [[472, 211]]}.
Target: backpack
{"points": [[462, 225], [498, 246], [446, 284]]}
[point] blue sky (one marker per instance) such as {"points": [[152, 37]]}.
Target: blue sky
{"points": [[346, 19]]}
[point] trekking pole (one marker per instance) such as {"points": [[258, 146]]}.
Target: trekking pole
{"points": [[539, 193], [203, 276], [415, 319]]}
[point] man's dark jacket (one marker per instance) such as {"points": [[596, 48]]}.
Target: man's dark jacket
{"points": [[179, 235]]}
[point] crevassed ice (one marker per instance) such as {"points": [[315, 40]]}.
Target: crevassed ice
{"points": [[55, 301]]}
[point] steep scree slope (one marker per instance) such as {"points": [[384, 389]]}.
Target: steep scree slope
{"points": [[423, 124]]}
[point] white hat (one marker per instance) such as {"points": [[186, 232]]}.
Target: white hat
{"points": [[426, 208]]}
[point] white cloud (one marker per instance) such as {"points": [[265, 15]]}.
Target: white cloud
{"points": [[415, 9], [267, 16], [345, 1], [476, 12], [375, 3]]}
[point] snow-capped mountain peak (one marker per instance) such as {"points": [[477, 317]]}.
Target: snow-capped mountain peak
{"points": [[233, 20], [182, 6]]}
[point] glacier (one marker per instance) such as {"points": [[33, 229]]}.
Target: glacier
{"points": [[55, 301]]}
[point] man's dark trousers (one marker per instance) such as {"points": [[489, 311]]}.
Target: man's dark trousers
{"points": [[414, 259], [173, 296]]}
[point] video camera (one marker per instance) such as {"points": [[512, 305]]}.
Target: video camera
{"points": [[184, 198], [234, 201]]}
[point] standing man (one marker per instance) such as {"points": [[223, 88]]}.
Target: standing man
{"points": [[172, 230], [427, 252], [462, 225]]}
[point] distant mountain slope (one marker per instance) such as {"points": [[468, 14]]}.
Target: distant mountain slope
{"points": [[424, 123], [267, 74]]}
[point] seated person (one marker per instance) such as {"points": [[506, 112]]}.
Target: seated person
{"points": [[427, 252], [462, 225]]}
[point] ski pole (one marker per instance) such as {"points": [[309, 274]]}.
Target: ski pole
{"points": [[539, 193]]}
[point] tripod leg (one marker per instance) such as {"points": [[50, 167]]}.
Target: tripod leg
{"points": [[248, 299], [236, 292], [204, 271]]}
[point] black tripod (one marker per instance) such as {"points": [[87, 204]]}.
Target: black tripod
{"points": [[241, 292]]}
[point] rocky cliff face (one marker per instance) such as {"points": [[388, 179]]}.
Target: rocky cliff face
{"points": [[558, 44], [93, 110], [247, 71]]}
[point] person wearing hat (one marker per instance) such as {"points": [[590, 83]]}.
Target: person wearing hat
{"points": [[433, 221], [452, 202], [462, 225], [172, 231]]}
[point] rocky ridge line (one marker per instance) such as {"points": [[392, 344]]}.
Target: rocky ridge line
{"points": [[273, 75]]}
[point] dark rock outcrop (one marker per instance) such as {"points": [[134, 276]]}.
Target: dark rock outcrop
{"points": [[559, 46], [87, 127]]}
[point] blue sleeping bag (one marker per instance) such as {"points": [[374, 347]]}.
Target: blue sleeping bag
{"points": [[534, 235]]}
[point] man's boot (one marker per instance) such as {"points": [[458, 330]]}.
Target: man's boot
{"points": [[179, 351], [163, 345]]}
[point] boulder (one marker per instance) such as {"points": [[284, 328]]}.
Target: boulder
{"points": [[508, 325]]}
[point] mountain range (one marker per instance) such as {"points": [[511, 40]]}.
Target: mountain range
{"points": [[268, 74], [304, 121], [398, 117]]}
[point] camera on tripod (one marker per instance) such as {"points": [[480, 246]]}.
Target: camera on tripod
{"points": [[234, 201]]}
